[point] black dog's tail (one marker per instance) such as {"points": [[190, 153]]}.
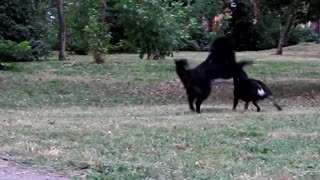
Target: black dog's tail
{"points": [[242, 64], [268, 94], [182, 70]]}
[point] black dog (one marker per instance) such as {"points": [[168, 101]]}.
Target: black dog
{"points": [[220, 63], [197, 82], [221, 59], [251, 90]]}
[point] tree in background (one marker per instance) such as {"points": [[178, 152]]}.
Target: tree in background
{"points": [[151, 27], [62, 31], [207, 10], [97, 30], [264, 24], [290, 13], [198, 23]]}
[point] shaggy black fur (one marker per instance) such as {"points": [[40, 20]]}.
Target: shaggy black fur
{"points": [[251, 90], [221, 61]]}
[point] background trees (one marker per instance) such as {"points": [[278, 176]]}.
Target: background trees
{"points": [[154, 29], [19, 33], [263, 24]]}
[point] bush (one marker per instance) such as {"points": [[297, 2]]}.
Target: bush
{"points": [[12, 51], [300, 34], [24, 51], [40, 49], [78, 46]]}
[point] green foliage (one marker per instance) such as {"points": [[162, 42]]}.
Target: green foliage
{"points": [[199, 39], [98, 38], [12, 51], [15, 24], [151, 26], [20, 31], [77, 17], [206, 9], [192, 22], [300, 34], [265, 32]]}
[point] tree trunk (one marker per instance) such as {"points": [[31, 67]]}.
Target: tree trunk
{"points": [[99, 54], [62, 32], [284, 34], [210, 24], [318, 30]]}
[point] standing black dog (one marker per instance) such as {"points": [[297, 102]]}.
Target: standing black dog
{"points": [[197, 81], [250, 90]]}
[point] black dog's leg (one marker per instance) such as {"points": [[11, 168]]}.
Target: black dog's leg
{"points": [[191, 100], [246, 106], [256, 104], [198, 104], [235, 103]]}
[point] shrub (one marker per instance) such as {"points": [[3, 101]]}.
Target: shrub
{"points": [[24, 51], [40, 49], [12, 51], [300, 34]]}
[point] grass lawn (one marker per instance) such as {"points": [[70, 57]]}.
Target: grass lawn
{"points": [[128, 119]]}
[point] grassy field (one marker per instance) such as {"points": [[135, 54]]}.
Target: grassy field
{"points": [[128, 119]]}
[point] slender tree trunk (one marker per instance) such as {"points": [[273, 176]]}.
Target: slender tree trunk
{"points": [[99, 53], [62, 32], [319, 30], [284, 34], [210, 24]]}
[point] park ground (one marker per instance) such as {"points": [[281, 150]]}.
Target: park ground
{"points": [[128, 119]]}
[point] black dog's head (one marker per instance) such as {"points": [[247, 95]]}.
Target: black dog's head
{"points": [[222, 45], [239, 72]]}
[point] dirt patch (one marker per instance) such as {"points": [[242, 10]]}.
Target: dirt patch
{"points": [[304, 92], [10, 171]]}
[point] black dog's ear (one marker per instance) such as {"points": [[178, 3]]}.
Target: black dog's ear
{"points": [[182, 63]]}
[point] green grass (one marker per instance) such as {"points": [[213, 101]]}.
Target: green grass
{"points": [[285, 69], [82, 83], [128, 119], [153, 142]]}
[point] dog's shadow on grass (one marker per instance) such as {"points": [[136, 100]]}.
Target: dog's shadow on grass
{"points": [[207, 110]]}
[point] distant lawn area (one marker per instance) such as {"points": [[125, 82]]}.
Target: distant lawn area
{"points": [[129, 119]]}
